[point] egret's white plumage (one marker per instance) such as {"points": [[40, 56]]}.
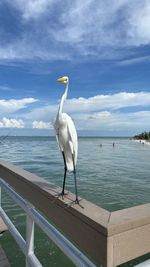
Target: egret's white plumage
{"points": [[67, 139], [66, 135]]}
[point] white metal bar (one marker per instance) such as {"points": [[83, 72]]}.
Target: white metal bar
{"points": [[30, 258], [75, 255], [15, 233], [144, 264], [29, 238], [33, 261]]}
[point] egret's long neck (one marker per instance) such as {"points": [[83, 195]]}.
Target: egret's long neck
{"points": [[64, 96]]}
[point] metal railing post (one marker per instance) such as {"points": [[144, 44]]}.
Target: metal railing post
{"points": [[29, 237]]}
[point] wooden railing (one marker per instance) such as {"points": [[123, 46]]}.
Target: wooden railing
{"points": [[109, 238]]}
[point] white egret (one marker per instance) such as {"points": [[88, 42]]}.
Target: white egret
{"points": [[66, 137]]}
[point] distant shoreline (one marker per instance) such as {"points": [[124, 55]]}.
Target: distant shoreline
{"points": [[142, 141], [80, 136]]}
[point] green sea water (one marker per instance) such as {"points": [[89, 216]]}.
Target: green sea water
{"points": [[113, 177]]}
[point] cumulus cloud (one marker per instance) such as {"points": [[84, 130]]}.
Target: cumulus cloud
{"points": [[93, 104], [111, 101], [41, 125], [113, 121], [11, 123], [99, 112], [13, 105]]}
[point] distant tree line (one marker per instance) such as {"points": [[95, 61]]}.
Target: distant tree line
{"points": [[143, 136]]}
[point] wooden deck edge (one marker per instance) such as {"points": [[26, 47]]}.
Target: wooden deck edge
{"points": [[99, 233], [21, 180], [86, 226]]}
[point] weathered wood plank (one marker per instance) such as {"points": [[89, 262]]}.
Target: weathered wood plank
{"points": [[3, 259]]}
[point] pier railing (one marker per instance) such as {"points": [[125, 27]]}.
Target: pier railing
{"points": [[108, 238], [33, 216]]}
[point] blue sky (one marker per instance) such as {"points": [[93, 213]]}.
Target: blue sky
{"points": [[104, 48]]}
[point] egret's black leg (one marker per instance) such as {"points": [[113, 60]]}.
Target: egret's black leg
{"points": [[75, 180], [65, 172]]}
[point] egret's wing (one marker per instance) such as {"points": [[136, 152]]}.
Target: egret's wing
{"points": [[59, 144], [56, 127], [73, 137]]}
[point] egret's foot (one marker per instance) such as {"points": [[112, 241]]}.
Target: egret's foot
{"points": [[77, 201], [63, 194]]}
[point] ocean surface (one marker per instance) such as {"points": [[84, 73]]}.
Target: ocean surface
{"points": [[113, 177]]}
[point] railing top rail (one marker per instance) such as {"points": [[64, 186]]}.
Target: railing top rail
{"points": [[126, 219], [98, 232], [90, 213], [105, 221]]}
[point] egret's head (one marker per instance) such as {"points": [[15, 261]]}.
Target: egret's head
{"points": [[63, 79]]}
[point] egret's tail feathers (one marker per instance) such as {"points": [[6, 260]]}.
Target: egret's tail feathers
{"points": [[69, 163], [69, 159], [70, 166]]}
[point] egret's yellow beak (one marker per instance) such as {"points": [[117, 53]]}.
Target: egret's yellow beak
{"points": [[61, 80]]}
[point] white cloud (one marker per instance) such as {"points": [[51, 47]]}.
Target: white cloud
{"points": [[13, 105], [136, 60], [122, 24], [47, 113], [11, 123], [93, 104], [113, 121], [101, 112], [110, 101], [18, 49], [108, 27], [32, 9], [139, 21], [103, 115], [28, 47], [41, 125]]}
